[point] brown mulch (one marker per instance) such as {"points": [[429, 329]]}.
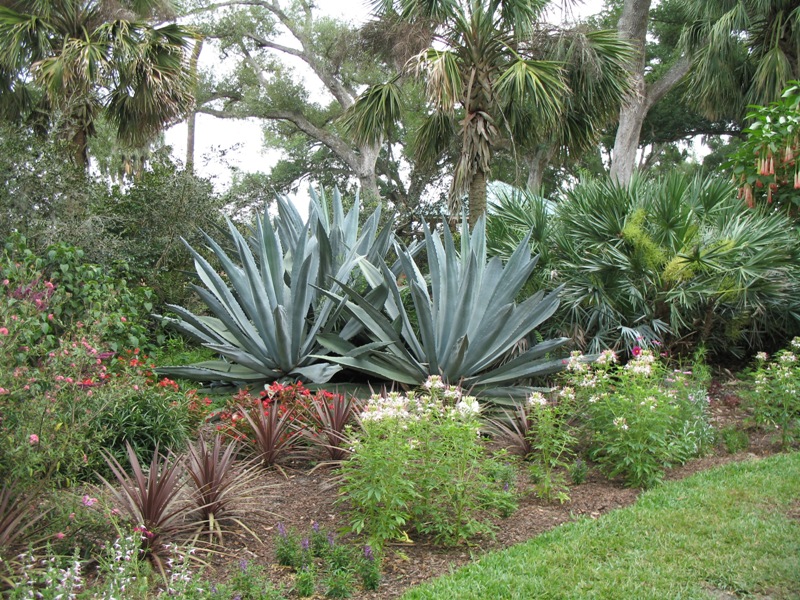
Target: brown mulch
{"points": [[299, 497]]}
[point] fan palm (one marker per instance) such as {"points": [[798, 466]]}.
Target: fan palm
{"points": [[72, 60], [745, 52], [481, 79]]}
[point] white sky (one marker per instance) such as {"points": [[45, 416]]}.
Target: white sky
{"points": [[225, 144]]}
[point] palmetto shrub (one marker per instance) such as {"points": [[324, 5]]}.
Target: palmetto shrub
{"points": [[676, 260]]}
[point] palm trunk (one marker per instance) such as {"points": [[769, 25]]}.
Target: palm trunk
{"points": [[80, 141], [477, 196], [191, 121], [537, 162]]}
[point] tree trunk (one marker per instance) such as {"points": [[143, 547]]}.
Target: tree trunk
{"points": [[477, 196], [632, 26], [191, 121], [537, 162], [364, 165], [80, 142]]}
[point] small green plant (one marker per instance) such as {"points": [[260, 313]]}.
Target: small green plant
{"points": [[369, 569], [578, 471], [305, 582], [734, 439], [338, 583], [251, 582], [288, 549], [776, 397], [552, 441]]}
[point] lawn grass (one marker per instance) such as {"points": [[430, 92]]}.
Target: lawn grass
{"points": [[734, 529]]}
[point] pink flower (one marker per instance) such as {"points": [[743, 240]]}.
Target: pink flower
{"points": [[33, 439], [637, 351], [88, 501], [3, 331], [60, 535], [5, 281], [50, 317], [123, 319]]}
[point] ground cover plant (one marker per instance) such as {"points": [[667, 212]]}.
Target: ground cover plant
{"points": [[728, 530]]}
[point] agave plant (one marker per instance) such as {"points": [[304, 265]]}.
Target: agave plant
{"points": [[265, 325], [467, 317]]}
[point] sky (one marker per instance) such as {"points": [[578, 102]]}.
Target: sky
{"points": [[224, 145]]}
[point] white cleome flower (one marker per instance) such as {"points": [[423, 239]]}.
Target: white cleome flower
{"points": [[468, 406], [537, 398]]}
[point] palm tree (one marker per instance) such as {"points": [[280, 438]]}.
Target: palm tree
{"points": [[745, 52], [65, 62], [482, 82]]}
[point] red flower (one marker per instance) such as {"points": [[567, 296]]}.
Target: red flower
{"points": [[637, 351]]}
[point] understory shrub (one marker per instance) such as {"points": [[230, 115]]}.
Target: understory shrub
{"points": [[776, 397], [44, 297], [641, 418], [55, 418], [677, 260], [418, 464]]}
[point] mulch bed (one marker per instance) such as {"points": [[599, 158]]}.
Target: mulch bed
{"points": [[300, 496]]}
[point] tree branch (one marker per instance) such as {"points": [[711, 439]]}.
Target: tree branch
{"points": [[347, 154], [658, 89]]}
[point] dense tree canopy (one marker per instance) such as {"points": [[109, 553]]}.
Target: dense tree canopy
{"points": [[65, 63]]}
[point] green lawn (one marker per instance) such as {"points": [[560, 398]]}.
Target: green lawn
{"points": [[726, 530]]}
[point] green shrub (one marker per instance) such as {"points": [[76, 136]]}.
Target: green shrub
{"points": [[776, 397], [418, 464], [677, 260], [641, 419], [57, 417], [43, 297]]}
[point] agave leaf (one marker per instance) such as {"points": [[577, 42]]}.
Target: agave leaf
{"points": [[319, 372], [269, 317], [218, 370]]}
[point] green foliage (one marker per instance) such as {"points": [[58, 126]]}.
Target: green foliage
{"points": [[640, 419], [46, 295], [418, 464], [764, 165], [734, 439], [266, 323], [676, 260], [57, 413], [465, 311], [144, 221], [775, 399]]}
